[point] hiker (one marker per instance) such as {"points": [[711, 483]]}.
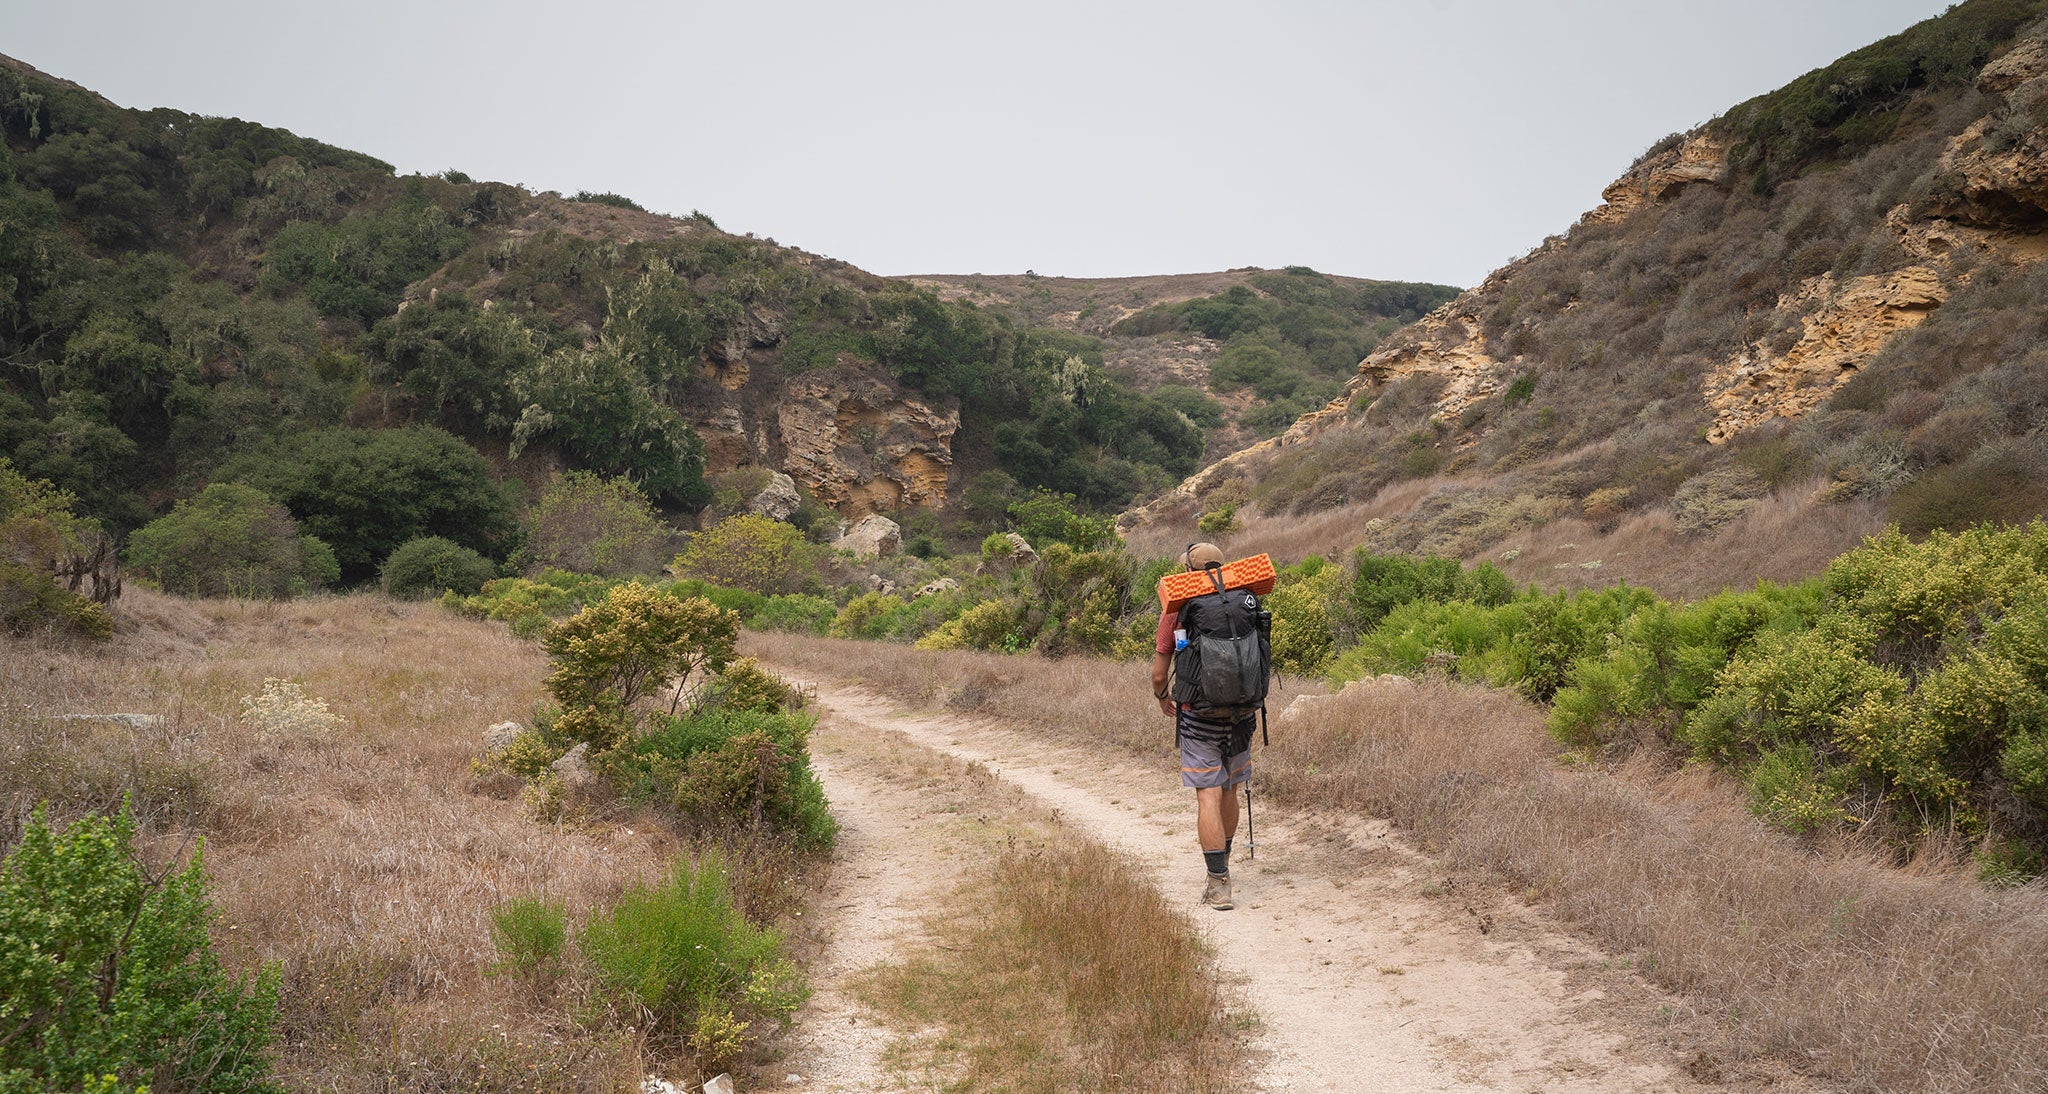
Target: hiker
{"points": [[1215, 752]]}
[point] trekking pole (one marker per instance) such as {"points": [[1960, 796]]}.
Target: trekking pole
{"points": [[1251, 843]]}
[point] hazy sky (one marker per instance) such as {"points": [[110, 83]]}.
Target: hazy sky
{"points": [[1424, 139]]}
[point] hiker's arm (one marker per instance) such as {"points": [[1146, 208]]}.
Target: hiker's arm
{"points": [[1162, 666]]}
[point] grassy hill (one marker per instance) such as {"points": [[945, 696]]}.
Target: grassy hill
{"points": [[1243, 353]]}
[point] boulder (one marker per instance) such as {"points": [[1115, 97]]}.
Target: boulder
{"points": [[879, 584], [778, 500], [876, 536], [934, 588], [574, 767], [500, 737]]}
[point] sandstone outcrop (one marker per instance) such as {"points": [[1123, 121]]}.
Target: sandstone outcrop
{"points": [[1995, 174], [1701, 158], [861, 445], [1446, 343], [1845, 326]]}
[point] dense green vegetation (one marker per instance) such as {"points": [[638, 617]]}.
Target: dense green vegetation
{"points": [[192, 300], [1846, 108], [108, 977], [1291, 336], [1905, 691]]}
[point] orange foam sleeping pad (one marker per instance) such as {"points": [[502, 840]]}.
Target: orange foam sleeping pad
{"points": [[1254, 573]]}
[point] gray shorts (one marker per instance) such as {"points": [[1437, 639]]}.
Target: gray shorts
{"points": [[1202, 762]]}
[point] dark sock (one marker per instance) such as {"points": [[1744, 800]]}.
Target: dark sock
{"points": [[1219, 861]]}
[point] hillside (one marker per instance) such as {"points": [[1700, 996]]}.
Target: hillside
{"points": [[1817, 313], [187, 299], [1265, 345]]}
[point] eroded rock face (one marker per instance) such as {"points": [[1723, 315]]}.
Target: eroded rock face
{"points": [[862, 445], [1995, 174], [1845, 327], [1702, 158]]}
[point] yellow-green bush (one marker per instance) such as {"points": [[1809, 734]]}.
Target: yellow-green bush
{"points": [[867, 616], [990, 625], [613, 653]]}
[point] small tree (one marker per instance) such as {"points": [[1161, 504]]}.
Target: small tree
{"points": [[745, 552], [595, 525], [37, 528], [231, 540], [614, 653]]}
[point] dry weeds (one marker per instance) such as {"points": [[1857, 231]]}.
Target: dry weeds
{"points": [[365, 861], [1880, 979]]}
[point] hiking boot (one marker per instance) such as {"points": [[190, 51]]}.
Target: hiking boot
{"points": [[1217, 894]]}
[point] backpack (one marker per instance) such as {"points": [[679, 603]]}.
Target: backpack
{"points": [[1223, 671]]}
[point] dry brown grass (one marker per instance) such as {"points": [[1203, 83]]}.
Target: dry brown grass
{"points": [[1331, 533], [1876, 978], [364, 861], [1786, 537], [1054, 965]]}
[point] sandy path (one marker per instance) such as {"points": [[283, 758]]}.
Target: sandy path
{"points": [[1368, 970]]}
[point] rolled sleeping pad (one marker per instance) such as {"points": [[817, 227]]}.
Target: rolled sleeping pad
{"points": [[1255, 573]]}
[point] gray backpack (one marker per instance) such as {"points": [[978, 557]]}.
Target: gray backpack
{"points": [[1223, 672]]}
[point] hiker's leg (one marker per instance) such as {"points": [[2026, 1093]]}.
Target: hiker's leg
{"points": [[1209, 812], [1227, 813]]}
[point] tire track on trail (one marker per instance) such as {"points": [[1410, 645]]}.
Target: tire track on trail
{"points": [[1368, 970]]}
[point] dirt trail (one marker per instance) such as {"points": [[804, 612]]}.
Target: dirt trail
{"points": [[1369, 971]]}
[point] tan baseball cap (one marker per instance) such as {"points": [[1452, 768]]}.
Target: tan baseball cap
{"points": [[1201, 556]]}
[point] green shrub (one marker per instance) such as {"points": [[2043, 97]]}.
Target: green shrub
{"points": [[1380, 583], [745, 685], [231, 540], [530, 604], [106, 971], [1925, 669], [743, 602], [364, 492], [1219, 520], [595, 525], [37, 528], [869, 615], [993, 625], [796, 613], [747, 551], [430, 566], [681, 949], [727, 765], [1304, 637], [1046, 518], [530, 933]]}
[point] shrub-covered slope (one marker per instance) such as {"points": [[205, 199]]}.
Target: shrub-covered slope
{"points": [[1832, 294], [181, 297]]}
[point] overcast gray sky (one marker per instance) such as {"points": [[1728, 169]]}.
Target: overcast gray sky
{"points": [[1424, 139]]}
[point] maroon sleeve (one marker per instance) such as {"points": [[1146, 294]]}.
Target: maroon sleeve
{"points": [[1164, 642]]}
